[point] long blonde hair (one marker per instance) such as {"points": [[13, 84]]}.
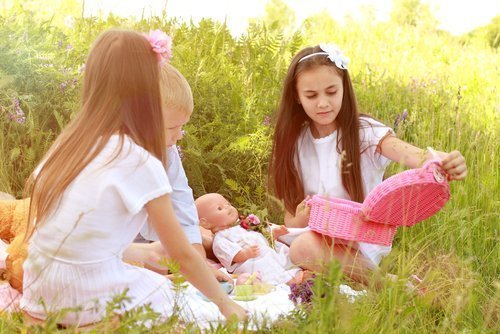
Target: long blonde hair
{"points": [[120, 96]]}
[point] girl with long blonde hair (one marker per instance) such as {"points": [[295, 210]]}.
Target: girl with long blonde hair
{"points": [[102, 178]]}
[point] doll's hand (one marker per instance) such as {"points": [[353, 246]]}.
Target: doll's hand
{"points": [[251, 251], [302, 213], [278, 231], [454, 165], [248, 253]]}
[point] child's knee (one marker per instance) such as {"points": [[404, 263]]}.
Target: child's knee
{"points": [[306, 248]]}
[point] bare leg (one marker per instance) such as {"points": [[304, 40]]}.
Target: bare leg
{"points": [[314, 251]]}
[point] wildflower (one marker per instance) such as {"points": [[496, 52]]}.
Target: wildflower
{"points": [[179, 150], [18, 115], [69, 47], [302, 293], [63, 86], [267, 121], [401, 118]]}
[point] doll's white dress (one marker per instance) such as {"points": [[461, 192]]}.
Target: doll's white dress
{"points": [[274, 266], [75, 256]]}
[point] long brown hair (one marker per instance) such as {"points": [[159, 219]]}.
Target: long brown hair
{"points": [[291, 117], [120, 96]]}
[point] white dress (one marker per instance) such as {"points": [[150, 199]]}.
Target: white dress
{"points": [[275, 267], [75, 257], [318, 163]]}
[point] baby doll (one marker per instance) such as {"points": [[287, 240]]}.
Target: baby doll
{"points": [[244, 251]]}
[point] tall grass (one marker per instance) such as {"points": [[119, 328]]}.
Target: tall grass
{"points": [[449, 87]]}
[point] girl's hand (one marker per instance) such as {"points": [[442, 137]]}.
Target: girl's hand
{"points": [[454, 165], [230, 309], [221, 277], [302, 213]]}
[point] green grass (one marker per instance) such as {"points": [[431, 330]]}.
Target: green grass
{"points": [[448, 85]]}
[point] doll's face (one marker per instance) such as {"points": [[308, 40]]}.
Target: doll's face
{"points": [[215, 212]]}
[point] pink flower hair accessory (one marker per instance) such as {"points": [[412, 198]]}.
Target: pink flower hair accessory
{"points": [[161, 44]]}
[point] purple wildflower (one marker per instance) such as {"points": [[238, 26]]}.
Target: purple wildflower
{"points": [[63, 85], [179, 149], [267, 121], [401, 118], [18, 115], [302, 293], [69, 48]]}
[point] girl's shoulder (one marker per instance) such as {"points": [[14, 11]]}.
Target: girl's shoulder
{"points": [[126, 152], [368, 121], [372, 130]]}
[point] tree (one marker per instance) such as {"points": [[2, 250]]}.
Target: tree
{"points": [[279, 16], [413, 13]]}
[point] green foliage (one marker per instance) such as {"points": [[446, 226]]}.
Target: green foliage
{"points": [[448, 86], [490, 33], [412, 13]]}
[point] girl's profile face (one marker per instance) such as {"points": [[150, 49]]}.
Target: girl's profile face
{"points": [[174, 120], [320, 92]]}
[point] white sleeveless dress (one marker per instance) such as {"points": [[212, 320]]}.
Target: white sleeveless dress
{"points": [[75, 256]]}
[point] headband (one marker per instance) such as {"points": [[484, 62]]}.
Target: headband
{"points": [[334, 54]]}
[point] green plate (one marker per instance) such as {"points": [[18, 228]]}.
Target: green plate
{"points": [[245, 298]]}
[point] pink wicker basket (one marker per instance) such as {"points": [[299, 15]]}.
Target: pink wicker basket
{"points": [[402, 200], [343, 219]]}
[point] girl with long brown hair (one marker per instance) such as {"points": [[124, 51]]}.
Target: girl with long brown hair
{"points": [[323, 145], [98, 184]]}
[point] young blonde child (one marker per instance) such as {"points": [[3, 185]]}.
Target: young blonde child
{"points": [[243, 251], [176, 95], [98, 184], [322, 145]]}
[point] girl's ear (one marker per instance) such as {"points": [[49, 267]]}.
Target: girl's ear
{"points": [[204, 223]]}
